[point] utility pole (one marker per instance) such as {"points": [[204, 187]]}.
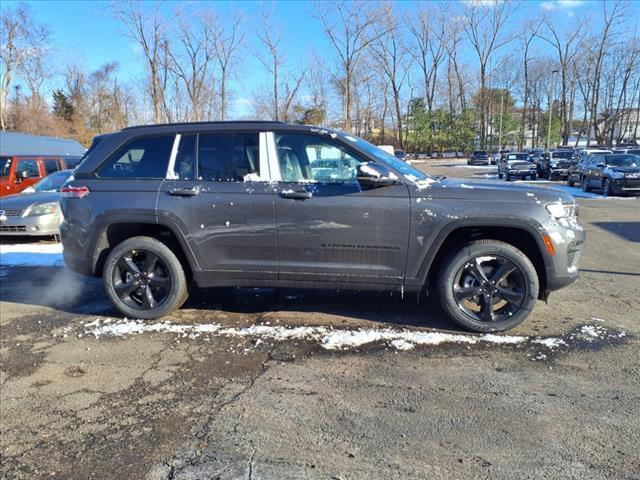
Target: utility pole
{"points": [[549, 109], [501, 115]]}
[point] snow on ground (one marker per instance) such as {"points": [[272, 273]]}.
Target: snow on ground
{"points": [[328, 338], [31, 255]]}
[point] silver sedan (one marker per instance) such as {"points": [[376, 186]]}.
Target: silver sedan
{"points": [[35, 211]]}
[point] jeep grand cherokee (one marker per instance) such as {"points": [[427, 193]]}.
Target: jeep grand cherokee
{"points": [[153, 208]]}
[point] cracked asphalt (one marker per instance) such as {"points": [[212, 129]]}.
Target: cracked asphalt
{"points": [[166, 406]]}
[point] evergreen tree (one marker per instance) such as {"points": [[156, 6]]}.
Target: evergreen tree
{"points": [[62, 107]]}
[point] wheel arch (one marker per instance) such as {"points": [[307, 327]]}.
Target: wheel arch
{"points": [[522, 235], [121, 228]]}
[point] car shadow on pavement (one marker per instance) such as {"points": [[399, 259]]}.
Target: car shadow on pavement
{"points": [[68, 292], [382, 307], [627, 230]]}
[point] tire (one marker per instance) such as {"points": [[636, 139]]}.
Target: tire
{"points": [[534, 177], [570, 182], [606, 188], [130, 274], [500, 176], [585, 185], [508, 177], [521, 285]]}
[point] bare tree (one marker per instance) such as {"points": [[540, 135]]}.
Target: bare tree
{"points": [[526, 37], [351, 27], [565, 43], [227, 41], [193, 66], [284, 87], [428, 28], [612, 18], [391, 54], [484, 28], [148, 30], [23, 45]]}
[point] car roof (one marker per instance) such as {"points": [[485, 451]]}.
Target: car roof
{"points": [[225, 125]]}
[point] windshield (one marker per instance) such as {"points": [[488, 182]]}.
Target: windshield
{"points": [[565, 154], [479, 152], [404, 168], [518, 156], [622, 160], [5, 166], [53, 182]]}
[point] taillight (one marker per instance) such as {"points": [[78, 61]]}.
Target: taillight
{"points": [[74, 192]]}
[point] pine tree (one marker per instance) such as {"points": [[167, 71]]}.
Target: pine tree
{"points": [[62, 107]]}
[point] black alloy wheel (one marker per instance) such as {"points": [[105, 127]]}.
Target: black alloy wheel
{"points": [[490, 288], [144, 278], [141, 280]]}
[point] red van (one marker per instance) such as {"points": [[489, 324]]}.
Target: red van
{"points": [[25, 159], [18, 173]]}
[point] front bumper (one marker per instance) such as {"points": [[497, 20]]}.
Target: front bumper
{"points": [[35, 226], [567, 237], [625, 185], [559, 172], [522, 173]]}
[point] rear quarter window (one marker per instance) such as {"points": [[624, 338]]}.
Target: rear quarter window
{"points": [[144, 157]]}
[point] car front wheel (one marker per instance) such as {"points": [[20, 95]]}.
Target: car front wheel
{"points": [[606, 188], [144, 279], [585, 185], [488, 286]]}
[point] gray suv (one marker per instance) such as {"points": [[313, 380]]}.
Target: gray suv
{"points": [[153, 209]]}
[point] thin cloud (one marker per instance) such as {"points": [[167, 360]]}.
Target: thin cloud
{"points": [[561, 4]]}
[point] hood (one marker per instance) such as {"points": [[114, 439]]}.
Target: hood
{"points": [[24, 200], [624, 169], [485, 190]]}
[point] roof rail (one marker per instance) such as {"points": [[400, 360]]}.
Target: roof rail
{"points": [[226, 122]]}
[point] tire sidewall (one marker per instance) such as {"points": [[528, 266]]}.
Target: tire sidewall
{"points": [[176, 297], [485, 248]]}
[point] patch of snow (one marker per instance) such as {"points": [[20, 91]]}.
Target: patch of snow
{"points": [[550, 342], [401, 345], [464, 185], [31, 255]]}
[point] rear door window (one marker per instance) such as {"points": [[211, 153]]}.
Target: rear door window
{"points": [[30, 166], [228, 157], [144, 157], [51, 165]]}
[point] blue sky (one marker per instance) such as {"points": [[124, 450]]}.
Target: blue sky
{"points": [[85, 31]]}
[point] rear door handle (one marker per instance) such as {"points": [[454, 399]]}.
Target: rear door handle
{"points": [[296, 194], [184, 192]]}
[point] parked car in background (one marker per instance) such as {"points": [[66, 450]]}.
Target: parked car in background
{"points": [[479, 157], [535, 154], [400, 155], [574, 175], [612, 173], [193, 214], [25, 159], [554, 165], [516, 165], [34, 211], [633, 150]]}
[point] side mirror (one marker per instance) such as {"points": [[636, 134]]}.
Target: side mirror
{"points": [[374, 175]]}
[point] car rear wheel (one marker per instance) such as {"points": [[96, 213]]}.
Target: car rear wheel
{"points": [[488, 286], [143, 278]]}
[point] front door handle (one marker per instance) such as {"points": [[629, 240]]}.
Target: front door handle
{"points": [[296, 194], [184, 192]]}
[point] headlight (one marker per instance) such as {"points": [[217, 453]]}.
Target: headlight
{"points": [[562, 210], [42, 209], [616, 175]]}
